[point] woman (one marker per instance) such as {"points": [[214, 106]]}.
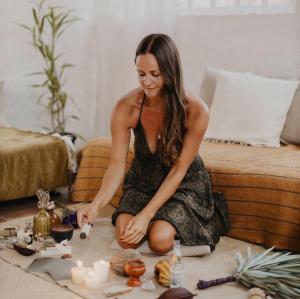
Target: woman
{"points": [[167, 189]]}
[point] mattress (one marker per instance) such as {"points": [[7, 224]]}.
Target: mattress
{"points": [[261, 185], [29, 161]]}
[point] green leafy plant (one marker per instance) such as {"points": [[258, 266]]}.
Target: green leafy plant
{"points": [[50, 22], [278, 274]]}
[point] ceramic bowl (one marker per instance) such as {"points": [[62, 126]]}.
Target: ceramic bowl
{"points": [[61, 232], [23, 249]]}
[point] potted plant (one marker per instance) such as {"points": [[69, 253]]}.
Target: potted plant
{"points": [[50, 23]]}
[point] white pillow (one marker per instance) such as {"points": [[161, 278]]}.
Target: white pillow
{"points": [[249, 108], [3, 122], [290, 133]]}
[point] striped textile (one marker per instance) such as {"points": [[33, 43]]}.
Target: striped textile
{"points": [[93, 163], [262, 187]]}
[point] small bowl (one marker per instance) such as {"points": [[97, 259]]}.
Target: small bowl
{"points": [[61, 232], [24, 250]]}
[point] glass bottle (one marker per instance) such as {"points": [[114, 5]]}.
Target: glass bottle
{"points": [[177, 267], [41, 223]]}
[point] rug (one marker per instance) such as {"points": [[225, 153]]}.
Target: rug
{"points": [[219, 263]]}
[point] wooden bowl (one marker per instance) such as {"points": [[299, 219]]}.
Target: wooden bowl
{"points": [[61, 232], [23, 249]]}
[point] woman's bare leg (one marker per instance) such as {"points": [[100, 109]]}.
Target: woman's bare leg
{"points": [[161, 236], [121, 224]]}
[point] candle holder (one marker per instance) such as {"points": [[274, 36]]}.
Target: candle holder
{"points": [[134, 269]]}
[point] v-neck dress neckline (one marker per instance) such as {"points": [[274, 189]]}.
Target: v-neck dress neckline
{"points": [[140, 125]]}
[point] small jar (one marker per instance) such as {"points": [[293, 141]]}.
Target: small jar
{"points": [[55, 220]]}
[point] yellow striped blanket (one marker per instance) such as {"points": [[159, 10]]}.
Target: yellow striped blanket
{"points": [[262, 187]]}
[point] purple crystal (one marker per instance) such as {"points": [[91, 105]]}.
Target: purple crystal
{"points": [[71, 219]]}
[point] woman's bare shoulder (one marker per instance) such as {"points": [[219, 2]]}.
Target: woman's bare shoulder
{"points": [[194, 104], [132, 99], [128, 107]]}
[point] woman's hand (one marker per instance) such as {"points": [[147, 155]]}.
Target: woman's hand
{"points": [[86, 214], [136, 229]]}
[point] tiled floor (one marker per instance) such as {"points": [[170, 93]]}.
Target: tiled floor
{"points": [[27, 206]]}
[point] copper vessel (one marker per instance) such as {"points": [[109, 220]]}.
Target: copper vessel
{"points": [[134, 269]]}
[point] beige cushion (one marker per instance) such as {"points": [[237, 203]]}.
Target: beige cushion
{"points": [[290, 133]]}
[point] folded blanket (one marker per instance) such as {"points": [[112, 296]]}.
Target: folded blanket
{"points": [[185, 250]]}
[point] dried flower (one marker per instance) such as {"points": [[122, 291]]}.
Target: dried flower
{"points": [[44, 198]]}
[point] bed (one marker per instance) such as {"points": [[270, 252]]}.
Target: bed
{"points": [[29, 161]]}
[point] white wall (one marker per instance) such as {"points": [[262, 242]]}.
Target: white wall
{"points": [[269, 45], [266, 44], [18, 58]]}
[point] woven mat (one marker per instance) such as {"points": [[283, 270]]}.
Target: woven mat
{"points": [[218, 264]]}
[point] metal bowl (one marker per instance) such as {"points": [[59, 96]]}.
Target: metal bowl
{"points": [[61, 232]]}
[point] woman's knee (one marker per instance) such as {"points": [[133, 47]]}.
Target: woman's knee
{"points": [[161, 237], [160, 244], [121, 224]]}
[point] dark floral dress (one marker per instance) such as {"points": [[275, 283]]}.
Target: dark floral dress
{"points": [[199, 216]]}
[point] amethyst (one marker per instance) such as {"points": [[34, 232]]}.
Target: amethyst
{"points": [[71, 219]]}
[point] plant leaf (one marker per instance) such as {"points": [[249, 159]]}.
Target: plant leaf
{"points": [[35, 73], [35, 17], [26, 27]]}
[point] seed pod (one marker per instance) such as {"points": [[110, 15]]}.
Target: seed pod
{"points": [[118, 261], [177, 293]]}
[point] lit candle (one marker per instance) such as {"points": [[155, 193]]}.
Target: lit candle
{"points": [[101, 269], [78, 273], [91, 280]]}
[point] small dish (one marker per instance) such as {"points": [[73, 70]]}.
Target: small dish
{"points": [[61, 232], [24, 250]]}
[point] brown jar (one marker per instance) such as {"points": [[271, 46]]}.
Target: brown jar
{"points": [[54, 218]]}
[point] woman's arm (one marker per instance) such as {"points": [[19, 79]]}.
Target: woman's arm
{"points": [[196, 127], [120, 130]]}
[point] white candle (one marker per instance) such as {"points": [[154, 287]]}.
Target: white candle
{"points": [[101, 269], [85, 231], [91, 280], [78, 273]]}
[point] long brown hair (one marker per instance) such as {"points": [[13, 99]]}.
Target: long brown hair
{"points": [[162, 47]]}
